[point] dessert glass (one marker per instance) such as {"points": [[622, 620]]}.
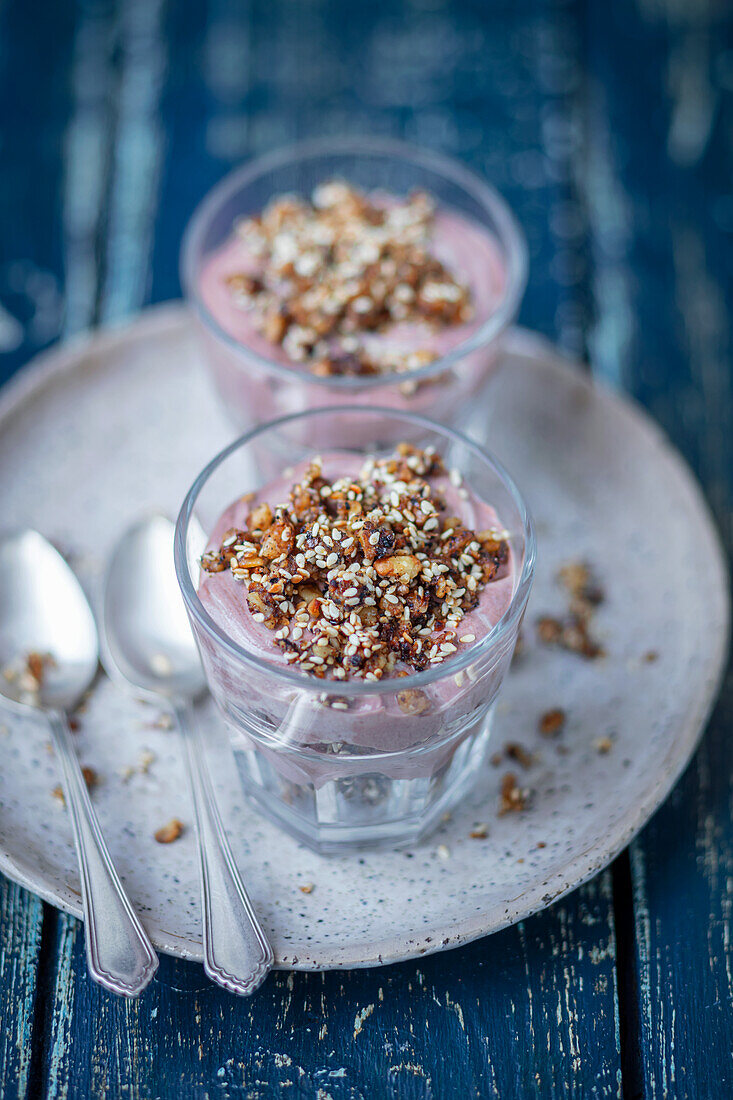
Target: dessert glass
{"points": [[254, 387], [345, 763]]}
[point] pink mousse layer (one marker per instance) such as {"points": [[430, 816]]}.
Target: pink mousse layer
{"points": [[372, 722], [464, 247]]}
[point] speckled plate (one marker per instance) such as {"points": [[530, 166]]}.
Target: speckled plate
{"points": [[94, 433]]}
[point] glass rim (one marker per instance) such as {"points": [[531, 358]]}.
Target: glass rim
{"points": [[357, 688], [508, 232]]}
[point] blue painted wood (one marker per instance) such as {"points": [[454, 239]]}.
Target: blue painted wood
{"points": [[508, 1016], [34, 73], [21, 922], [662, 219], [34, 76]]}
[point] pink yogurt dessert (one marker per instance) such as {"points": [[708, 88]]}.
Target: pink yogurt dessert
{"points": [[353, 295], [371, 572]]}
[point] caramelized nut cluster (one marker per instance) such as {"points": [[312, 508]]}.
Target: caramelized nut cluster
{"points": [[363, 577], [340, 266]]}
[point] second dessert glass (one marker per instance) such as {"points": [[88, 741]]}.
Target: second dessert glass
{"points": [[255, 386], [344, 763]]}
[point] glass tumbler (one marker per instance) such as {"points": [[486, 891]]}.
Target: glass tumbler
{"points": [[341, 763], [254, 378]]}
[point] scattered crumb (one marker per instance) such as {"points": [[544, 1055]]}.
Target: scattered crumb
{"points": [[512, 798], [164, 721], [603, 745], [552, 722], [517, 752], [90, 777], [170, 832], [650, 657], [496, 759], [145, 759], [126, 774], [307, 888], [577, 579], [479, 832], [541, 844], [27, 674], [447, 816], [549, 630], [36, 664], [443, 852], [74, 725], [572, 631]]}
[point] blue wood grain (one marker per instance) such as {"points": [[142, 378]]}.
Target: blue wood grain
{"points": [[34, 99], [660, 210], [527, 1013], [21, 920], [34, 76]]}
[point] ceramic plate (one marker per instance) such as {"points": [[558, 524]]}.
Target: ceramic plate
{"points": [[93, 434]]}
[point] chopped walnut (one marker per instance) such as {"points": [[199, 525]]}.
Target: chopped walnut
{"points": [[413, 701], [512, 798], [517, 752], [329, 273], [170, 832], [577, 579], [572, 634], [552, 722], [90, 777]]}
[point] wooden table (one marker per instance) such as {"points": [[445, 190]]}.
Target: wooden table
{"points": [[608, 128]]}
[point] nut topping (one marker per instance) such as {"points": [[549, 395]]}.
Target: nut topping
{"points": [[363, 577], [329, 273]]}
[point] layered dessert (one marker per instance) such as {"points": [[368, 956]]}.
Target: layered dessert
{"points": [[366, 571], [370, 287]]}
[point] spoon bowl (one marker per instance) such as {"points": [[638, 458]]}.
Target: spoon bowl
{"points": [[146, 629], [43, 610]]}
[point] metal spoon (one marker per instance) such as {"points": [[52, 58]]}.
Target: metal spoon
{"points": [[43, 611], [148, 643]]}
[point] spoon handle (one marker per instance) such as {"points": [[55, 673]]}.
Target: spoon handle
{"points": [[119, 954], [236, 952]]}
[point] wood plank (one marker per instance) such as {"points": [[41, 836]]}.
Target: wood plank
{"points": [[507, 1016], [21, 922], [659, 190], [33, 109]]}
